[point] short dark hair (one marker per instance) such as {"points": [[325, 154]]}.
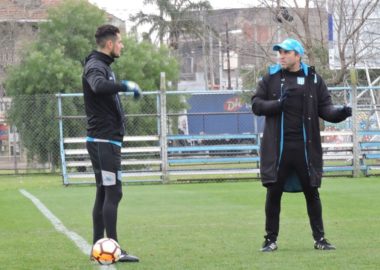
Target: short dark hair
{"points": [[104, 33]]}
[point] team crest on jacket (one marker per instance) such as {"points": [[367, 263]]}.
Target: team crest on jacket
{"points": [[300, 80]]}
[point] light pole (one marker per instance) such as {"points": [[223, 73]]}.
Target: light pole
{"points": [[228, 60], [227, 32]]}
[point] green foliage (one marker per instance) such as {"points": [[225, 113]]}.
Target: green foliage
{"points": [[197, 226], [143, 63], [35, 119], [51, 65], [176, 18], [72, 25], [322, 63], [43, 73], [251, 76]]}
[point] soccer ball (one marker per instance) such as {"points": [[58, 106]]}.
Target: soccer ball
{"points": [[106, 251]]}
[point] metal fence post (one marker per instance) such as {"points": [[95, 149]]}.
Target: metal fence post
{"points": [[13, 129], [355, 135], [61, 145], [163, 129]]}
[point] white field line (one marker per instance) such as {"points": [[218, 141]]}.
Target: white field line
{"points": [[79, 241]]}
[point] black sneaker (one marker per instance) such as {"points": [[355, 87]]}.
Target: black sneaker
{"points": [[125, 257], [269, 246], [323, 244]]}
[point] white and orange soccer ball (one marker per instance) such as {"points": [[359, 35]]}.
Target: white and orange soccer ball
{"points": [[106, 251]]}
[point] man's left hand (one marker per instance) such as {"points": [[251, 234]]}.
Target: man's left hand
{"points": [[347, 110]]}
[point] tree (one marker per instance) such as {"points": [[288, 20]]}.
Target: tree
{"points": [[71, 25], [296, 20], [353, 26], [143, 62], [53, 62], [53, 65], [173, 20]]}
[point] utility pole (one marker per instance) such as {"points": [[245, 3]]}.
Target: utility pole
{"points": [[228, 59], [211, 63], [220, 64], [205, 66]]}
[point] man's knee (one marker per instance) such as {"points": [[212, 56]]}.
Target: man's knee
{"points": [[312, 194], [114, 193]]}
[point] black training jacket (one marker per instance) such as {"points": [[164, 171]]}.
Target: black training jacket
{"points": [[105, 115], [317, 104]]}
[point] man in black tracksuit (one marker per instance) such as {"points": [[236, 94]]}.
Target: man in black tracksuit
{"points": [[105, 130], [292, 97]]}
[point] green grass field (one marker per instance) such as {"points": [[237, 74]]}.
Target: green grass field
{"points": [[210, 226]]}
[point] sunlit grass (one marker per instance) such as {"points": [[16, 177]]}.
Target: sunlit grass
{"points": [[194, 226]]}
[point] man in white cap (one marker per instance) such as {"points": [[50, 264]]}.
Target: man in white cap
{"points": [[292, 97]]}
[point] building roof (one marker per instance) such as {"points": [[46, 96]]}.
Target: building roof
{"points": [[30, 10], [25, 10]]}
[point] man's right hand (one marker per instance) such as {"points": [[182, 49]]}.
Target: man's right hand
{"points": [[131, 86]]}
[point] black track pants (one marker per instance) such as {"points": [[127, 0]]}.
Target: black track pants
{"points": [[106, 162], [104, 213], [293, 159]]}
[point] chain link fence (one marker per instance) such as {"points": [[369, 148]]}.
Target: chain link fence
{"points": [[30, 127], [29, 139]]}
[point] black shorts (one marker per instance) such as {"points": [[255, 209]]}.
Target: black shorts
{"points": [[106, 162]]}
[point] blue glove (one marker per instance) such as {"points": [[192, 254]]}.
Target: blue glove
{"points": [[131, 86]]}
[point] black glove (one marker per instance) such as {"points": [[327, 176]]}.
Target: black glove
{"points": [[347, 111]]}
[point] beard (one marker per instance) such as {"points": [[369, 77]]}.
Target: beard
{"points": [[114, 55], [290, 67]]}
